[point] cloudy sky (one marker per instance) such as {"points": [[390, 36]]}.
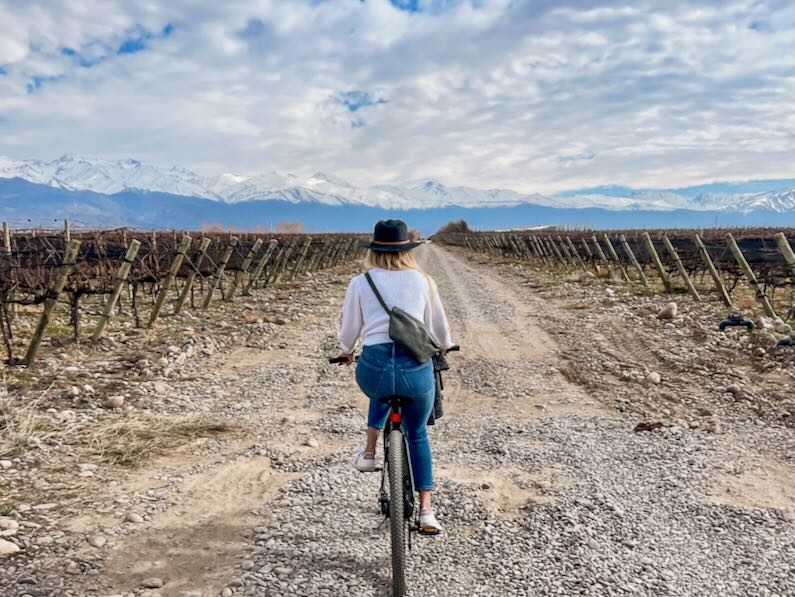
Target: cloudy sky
{"points": [[534, 95]]}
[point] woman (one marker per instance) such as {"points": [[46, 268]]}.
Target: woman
{"points": [[385, 369]]}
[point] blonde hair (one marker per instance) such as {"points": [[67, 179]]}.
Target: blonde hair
{"points": [[396, 261]]}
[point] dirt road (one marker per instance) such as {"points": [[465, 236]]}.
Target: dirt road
{"points": [[542, 485]]}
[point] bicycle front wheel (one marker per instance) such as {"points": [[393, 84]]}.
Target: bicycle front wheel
{"points": [[397, 521]]}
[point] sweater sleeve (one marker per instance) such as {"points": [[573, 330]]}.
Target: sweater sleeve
{"points": [[436, 320], [351, 320]]}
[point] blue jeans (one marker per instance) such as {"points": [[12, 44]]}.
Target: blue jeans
{"points": [[387, 370]]}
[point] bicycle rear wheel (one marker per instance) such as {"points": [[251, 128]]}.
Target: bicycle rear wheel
{"points": [[397, 519]]}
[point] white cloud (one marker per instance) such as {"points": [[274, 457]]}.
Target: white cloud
{"points": [[536, 96]]}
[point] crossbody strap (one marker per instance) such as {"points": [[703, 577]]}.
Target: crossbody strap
{"points": [[377, 294]]}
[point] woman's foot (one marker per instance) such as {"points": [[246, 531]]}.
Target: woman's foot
{"points": [[428, 523], [364, 462]]}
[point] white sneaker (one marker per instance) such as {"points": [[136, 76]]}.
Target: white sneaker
{"points": [[362, 464], [428, 524]]}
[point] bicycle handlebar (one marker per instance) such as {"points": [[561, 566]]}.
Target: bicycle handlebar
{"points": [[736, 321], [340, 360], [336, 360]]}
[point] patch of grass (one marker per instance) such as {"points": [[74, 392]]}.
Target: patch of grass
{"points": [[132, 439], [23, 428], [56, 330]]}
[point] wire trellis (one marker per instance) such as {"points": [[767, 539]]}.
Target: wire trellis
{"points": [[30, 263]]}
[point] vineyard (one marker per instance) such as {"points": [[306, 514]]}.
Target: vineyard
{"points": [[178, 429], [725, 263], [102, 275]]}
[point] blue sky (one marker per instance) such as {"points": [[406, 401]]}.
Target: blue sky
{"points": [[541, 95]]}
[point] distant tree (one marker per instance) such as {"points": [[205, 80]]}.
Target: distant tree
{"points": [[289, 228], [415, 234], [212, 227], [455, 226]]}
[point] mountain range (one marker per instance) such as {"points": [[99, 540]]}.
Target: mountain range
{"points": [[107, 177]]}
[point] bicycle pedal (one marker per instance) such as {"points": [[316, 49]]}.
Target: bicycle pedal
{"points": [[428, 531]]}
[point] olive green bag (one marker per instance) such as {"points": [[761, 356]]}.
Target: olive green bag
{"points": [[407, 331]]}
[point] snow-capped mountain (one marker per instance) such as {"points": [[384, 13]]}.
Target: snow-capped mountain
{"points": [[781, 201], [111, 177], [103, 176]]}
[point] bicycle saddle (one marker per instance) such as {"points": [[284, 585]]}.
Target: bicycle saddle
{"points": [[395, 401]]}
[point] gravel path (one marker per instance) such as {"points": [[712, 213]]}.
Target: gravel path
{"points": [[541, 491], [542, 486]]}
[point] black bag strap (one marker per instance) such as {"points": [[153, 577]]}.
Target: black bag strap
{"points": [[377, 294]]}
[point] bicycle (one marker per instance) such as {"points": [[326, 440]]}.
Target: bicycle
{"points": [[397, 479]]}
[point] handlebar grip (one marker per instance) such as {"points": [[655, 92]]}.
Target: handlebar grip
{"points": [[336, 360], [454, 348], [736, 322]]}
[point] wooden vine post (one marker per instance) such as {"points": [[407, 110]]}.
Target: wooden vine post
{"points": [[681, 267], [244, 268], [186, 290], [634, 260], [300, 261], [334, 249], [316, 262], [49, 304], [485, 246], [556, 250], [260, 267], [599, 250], [576, 253], [355, 249], [655, 258], [510, 240], [545, 250], [750, 276], [219, 272], [339, 258], [498, 250], [527, 249], [589, 254], [531, 246], [495, 246], [6, 239], [786, 250], [334, 258], [67, 231], [118, 285], [7, 251], [614, 256], [184, 245], [564, 251], [350, 249], [713, 272], [568, 257], [281, 259]]}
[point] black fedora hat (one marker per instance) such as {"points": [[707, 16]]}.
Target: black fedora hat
{"points": [[391, 236]]}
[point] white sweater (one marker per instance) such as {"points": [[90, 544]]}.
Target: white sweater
{"points": [[364, 317]]}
